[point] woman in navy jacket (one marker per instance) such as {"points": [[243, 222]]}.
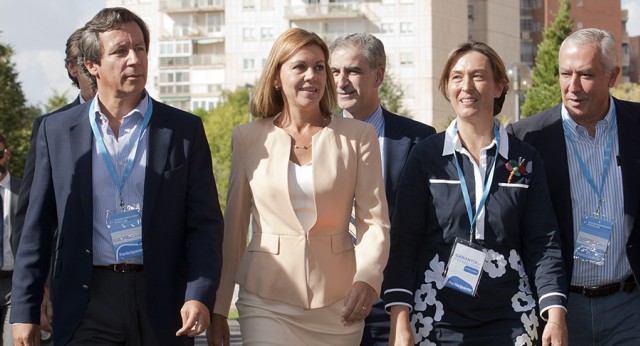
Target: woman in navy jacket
{"points": [[475, 257]]}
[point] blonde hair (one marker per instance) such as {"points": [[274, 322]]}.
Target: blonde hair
{"points": [[267, 101]]}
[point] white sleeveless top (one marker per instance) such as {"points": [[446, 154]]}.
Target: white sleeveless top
{"points": [[300, 179]]}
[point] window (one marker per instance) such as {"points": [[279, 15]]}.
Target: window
{"points": [[248, 34], [579, 3], [386, 28], [174, 77], [214, 23], [406, 59], [248, 4], [173, 48], [579, 25], [266, 33], [406, 27], [248, 64], [266, 5], [526, 25]]}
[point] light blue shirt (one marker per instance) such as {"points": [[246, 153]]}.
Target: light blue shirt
{"points": [[105, 193], [377, 120], [584, 200]]}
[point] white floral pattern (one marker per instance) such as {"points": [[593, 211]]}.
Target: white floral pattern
{"points": [[428, 309], [494, 264]]}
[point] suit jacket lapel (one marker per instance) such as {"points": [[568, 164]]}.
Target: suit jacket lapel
{"points": [[158, 150], [629, 155], [395, 150], [81, 138]]}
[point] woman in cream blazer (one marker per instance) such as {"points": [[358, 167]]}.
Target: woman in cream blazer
{"points": [[303, 279]]}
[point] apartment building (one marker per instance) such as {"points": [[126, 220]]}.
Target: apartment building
{"points": [[202, 47]]}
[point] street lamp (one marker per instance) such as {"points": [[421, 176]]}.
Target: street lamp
{"points": [[520, 75]]}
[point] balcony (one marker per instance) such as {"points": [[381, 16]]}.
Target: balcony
{"points": [[187, 6], [212, 32], [195, 60], [341, 10]]}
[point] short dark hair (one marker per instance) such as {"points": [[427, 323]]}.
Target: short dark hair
{"points": [[106, 20], [496, 63], [72, 52]]}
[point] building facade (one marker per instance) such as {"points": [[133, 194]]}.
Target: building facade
{"points": [[201, 47]]}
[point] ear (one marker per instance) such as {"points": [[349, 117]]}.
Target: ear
{"points": [[499, 89], [91, 67], [614, 76], [379, 74]]}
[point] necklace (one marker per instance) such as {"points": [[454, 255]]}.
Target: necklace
{"points": [[307, 147]]}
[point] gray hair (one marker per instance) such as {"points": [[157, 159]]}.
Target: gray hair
{"points": [[601, 39], [372, 48]]}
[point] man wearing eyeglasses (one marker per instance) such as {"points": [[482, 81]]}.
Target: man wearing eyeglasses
{"points": [[9, 188]]}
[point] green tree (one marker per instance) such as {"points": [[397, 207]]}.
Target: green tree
{"points": [[391, 94], [219, 122], [545, 92], [56, 101], [15, 117], [627, 91]]}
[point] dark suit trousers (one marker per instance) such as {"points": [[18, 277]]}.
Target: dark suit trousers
{"points": [[117, 313]]}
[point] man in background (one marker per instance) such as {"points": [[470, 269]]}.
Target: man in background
{"points": [[358, 64], [9, 187]]}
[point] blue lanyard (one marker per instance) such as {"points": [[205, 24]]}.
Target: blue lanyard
{"points": [[463, 183], [583, 167], [102, 149]]}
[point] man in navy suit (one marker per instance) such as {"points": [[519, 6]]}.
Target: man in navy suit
{"points": [[128, 183], [87, 92], [9, 187], [358, 65], [591, 150]]}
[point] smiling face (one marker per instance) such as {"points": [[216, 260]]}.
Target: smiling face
{"points": [[356, 82], [471, 86], [585, 83], [122, 71], [302, 78]]}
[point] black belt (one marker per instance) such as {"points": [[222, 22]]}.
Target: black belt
{"points": [[5, 274], [605, 290], [122, 267]]}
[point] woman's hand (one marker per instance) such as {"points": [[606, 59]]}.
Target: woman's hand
{"points": [[218, 332], [400, 334], [555, 332], [357, 303]]}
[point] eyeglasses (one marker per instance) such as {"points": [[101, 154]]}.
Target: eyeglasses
{"points": [[2, 153]]}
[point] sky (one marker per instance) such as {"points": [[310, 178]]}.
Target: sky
{"points": [[38, 30]]}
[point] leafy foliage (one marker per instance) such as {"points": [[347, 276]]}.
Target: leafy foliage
{"points": [[545, 92], [627, 91], [391, 94], [219, 122], [56, 101], [15, 117]]}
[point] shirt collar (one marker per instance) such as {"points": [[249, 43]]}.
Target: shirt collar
{"points": [[6, 181], [140, 109], [376, 119], [573, 126], [452, 142]]}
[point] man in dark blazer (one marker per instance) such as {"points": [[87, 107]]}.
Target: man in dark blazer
{"points": [[358, 65], [101, 171], [604, 301], [9, 187], [87, 92]]}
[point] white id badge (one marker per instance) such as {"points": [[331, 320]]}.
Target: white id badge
{"points": [[125, 228], [593, 239], [465, 267]]}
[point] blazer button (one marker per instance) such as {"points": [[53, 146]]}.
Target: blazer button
{"points": [[87, 252], [85, 287]]}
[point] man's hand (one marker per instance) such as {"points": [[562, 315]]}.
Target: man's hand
{"points": [[195, 318], [46, 312], [357, 303], [218, 332], [26, 334]]}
